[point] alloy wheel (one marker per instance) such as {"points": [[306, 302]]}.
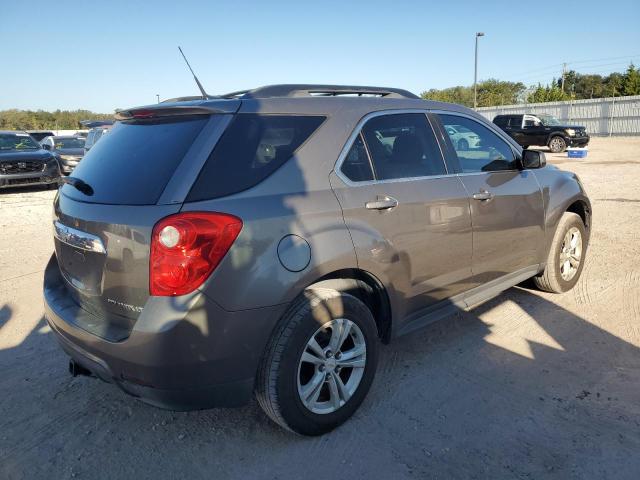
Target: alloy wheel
{"points": [[570, 254], [331, 366]]}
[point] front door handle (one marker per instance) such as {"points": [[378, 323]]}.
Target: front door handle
{"points": [[382, 203], [483, 195]]}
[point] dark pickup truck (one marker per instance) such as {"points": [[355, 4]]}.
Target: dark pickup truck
{"points": [[539, 129]]}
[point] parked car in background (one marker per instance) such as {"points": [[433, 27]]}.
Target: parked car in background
{"points": [[266, 242], [541, 129], [38, 135], [68, 149], [95, 133], [24, 162], [462, 137]]}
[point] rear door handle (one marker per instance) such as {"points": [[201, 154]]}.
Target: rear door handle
{"points": [[382, 203], [483, 195]]}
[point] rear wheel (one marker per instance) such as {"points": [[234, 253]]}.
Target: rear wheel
{"points": [[320, 362], [566, 256], [557, 144]]}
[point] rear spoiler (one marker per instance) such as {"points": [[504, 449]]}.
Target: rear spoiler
{"points": [[202, 107]]}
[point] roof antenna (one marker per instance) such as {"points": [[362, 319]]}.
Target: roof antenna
{"points": [[204, 94]]}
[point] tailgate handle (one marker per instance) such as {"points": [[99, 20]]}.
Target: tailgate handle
{"points": [[78, 239]]}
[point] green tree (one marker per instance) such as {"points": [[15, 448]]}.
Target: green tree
{"points": [[41, 120], [631, 81], [490, 92], [548, 93]]}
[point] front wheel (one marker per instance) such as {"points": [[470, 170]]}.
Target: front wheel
{"points": [[463, 145], [557, 144], [566, 256], [320, 362]]}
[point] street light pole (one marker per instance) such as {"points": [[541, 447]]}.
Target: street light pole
{"points": [[475, 74], [158, 97]]}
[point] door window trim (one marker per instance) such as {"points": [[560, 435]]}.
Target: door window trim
{"points": [[517, 153], [358, 130]]}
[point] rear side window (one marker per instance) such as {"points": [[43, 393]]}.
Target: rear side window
{"points": [[252, 148], [515, 122], [403, 146], [135, 161]]}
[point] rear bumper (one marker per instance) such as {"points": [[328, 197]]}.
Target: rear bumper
{"points": [[49, 175], [185, 354]]}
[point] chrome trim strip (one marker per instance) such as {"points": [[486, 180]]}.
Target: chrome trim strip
{"points": [[78, 239], [356, 132]]}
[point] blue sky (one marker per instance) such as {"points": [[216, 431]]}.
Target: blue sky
{"points": [[114, 54]]}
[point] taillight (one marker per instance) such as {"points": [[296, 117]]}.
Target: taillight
{"points": [[186, 248]]}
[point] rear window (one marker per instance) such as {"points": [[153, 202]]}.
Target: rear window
{"points": [[62, 143], [135, 161], [252, 148]]}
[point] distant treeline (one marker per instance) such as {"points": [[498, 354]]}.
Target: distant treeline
{"points": [[577, 86], [41, 120]]}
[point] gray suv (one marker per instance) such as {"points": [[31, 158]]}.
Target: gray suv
{"points": [[268, 241]]}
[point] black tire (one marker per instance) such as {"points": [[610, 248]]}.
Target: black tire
{"points": [[557, 144], [551, 280], [277, 380], [463, 145]]}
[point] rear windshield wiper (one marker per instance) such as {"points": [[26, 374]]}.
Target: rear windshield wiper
{"points": [[79, 185]]}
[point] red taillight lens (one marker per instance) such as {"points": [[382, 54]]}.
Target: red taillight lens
{"points": [[186, 248]]}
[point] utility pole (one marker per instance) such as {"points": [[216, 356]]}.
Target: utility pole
{"points": [[475, 73], [564, 72]]}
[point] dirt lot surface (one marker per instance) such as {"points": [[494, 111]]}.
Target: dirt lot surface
{"points": [[528, 385]]}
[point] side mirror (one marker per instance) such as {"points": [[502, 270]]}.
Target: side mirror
{"points": [[532, 159], [46, 146]]}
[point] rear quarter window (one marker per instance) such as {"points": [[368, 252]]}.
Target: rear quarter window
{"points": [[500, 121], [252, 148]]}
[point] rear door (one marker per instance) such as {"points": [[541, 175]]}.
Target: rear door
{"points": [[408, 217], [103, 227], [535, 132], [506, 203]]}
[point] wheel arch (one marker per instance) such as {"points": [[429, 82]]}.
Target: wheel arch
{"points": [[557, 134], [583, 209], [368, 289]]}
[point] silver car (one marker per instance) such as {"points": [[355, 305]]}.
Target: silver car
{"points": [[268, 241]]}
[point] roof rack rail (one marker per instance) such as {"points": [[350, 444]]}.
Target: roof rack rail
{"points": [[303, 90]]}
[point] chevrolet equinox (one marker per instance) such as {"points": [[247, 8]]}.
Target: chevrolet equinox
{"points": [[267, 241]]}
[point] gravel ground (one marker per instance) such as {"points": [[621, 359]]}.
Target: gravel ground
{"points": [[529, 385]]}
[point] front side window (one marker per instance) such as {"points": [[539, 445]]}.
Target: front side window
{"points": [[482, 150], [403, 146]]}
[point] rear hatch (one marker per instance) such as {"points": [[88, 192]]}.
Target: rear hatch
{"points": [[103, 223]]}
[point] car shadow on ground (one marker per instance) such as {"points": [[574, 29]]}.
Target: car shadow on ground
{"points": [[518, 387]]}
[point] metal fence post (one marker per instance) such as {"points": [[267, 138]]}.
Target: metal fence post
{"points": [[613, 104]]}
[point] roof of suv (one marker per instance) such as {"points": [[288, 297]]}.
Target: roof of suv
{"points": [[298, 98]]}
